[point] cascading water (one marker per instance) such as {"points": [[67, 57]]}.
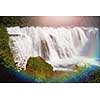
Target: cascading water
{"points": [[61, 47]]}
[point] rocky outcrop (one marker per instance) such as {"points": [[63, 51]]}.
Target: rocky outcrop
{"points": [[38, 67]]}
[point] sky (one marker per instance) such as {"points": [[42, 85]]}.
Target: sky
{"points": [[63, 21]]}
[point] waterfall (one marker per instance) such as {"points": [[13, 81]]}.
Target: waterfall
{"points": [[61, 47]]}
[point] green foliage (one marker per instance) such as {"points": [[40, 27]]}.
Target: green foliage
{"points": [[5, 52], [7, 21], [38, 67], [10, 20], [39, 63]]}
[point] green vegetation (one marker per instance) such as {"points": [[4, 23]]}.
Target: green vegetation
{"points": [[10, 21], [38, 67], [5, 52], [7, 21]]}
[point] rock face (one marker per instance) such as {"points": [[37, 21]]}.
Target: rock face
{"points": [[38, 67]]}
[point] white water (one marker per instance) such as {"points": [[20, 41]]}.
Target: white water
{"points": [[60, 47]]}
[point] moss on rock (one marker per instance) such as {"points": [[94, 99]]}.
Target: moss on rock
{"points": [[39, 67]]}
